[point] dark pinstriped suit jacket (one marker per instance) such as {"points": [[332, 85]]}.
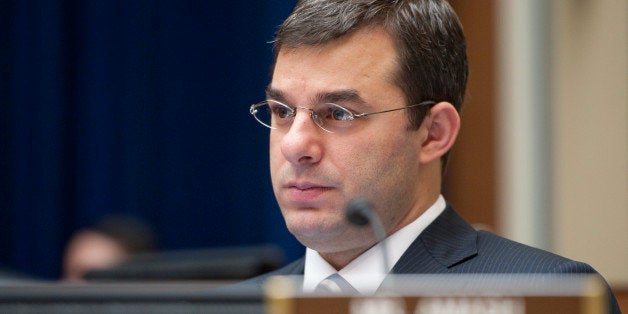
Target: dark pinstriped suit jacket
{"points": [[451, 246]]}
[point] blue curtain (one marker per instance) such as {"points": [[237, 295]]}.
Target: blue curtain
{"points": [[137, 107]]}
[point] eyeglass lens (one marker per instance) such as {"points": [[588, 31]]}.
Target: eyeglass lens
{"points": [[330, 117]]}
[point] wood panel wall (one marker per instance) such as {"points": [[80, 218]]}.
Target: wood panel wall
{"points": [[470, 180]]}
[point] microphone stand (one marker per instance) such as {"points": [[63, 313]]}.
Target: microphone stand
{"points": [[360, 212]]}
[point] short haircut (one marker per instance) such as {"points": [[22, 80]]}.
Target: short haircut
{"points": [[427, 33]]}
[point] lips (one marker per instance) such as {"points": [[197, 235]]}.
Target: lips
{"points": [[304, 185], [305, 192]]}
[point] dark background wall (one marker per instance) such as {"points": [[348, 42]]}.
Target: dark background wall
{"points": [[136, 107]]}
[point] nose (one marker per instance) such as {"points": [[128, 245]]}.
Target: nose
{"points": [[301, 145]]}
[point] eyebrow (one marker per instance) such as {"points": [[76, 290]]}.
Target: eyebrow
{"points": [[345, 95], [273, 93]]}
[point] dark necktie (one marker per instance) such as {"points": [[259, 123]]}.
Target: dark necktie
{"points": [[334, 284]]}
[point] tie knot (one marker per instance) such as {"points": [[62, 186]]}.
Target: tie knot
{"points": [[335, 284]]}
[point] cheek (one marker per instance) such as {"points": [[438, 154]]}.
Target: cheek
{"points": [[386, 172], [366, 163]]}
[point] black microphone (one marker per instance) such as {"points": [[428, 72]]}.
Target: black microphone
{"points": [[360, 212]]}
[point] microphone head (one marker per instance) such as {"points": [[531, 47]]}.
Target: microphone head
{"points": [[359, 211]]}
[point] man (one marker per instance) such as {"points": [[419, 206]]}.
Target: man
{"points": [[364, 103]]}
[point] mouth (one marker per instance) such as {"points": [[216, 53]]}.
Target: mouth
{"points": [[305, 192]]}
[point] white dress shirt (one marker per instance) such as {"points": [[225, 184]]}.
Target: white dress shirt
{"points": [[366, 273]]}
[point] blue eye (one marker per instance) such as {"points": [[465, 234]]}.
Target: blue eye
{"points": [[341, 115]]}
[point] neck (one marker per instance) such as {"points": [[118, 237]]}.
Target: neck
{"points": [[341, 259], [428, 193], [429, 190]]}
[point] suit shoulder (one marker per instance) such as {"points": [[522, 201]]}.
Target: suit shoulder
{"points": [[507, 256], [504, 255]]}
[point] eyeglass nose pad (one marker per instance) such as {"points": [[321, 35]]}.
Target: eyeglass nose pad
{"points": [[317, 119]]}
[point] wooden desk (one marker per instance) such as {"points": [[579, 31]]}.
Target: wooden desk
{"points": [[449, 294]]}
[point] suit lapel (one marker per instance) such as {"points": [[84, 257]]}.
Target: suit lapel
{"points": [[446, 242], [296, 268]]}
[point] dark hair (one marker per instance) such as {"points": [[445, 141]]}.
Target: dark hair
{"points": [[427, 33], [132, 233]]}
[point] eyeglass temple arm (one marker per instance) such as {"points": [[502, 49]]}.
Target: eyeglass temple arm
{"points": [[424, 103]]}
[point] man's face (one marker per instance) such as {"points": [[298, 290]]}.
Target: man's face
{"points": [[315, 173]]}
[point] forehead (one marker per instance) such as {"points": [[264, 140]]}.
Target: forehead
{"points": [[363, 61]]}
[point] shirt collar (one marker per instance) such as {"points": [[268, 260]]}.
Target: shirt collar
{"points": [[366, 272]]}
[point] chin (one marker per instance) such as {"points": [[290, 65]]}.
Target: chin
{"points": [[308, 228], [317, 243]]}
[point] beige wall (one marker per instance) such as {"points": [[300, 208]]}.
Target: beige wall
{"points": [[589, 133]]}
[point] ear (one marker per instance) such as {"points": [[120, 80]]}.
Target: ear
{"points": [[442, 124]]}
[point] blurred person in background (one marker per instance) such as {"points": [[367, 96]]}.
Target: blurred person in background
{"points": [[106, 245]]}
